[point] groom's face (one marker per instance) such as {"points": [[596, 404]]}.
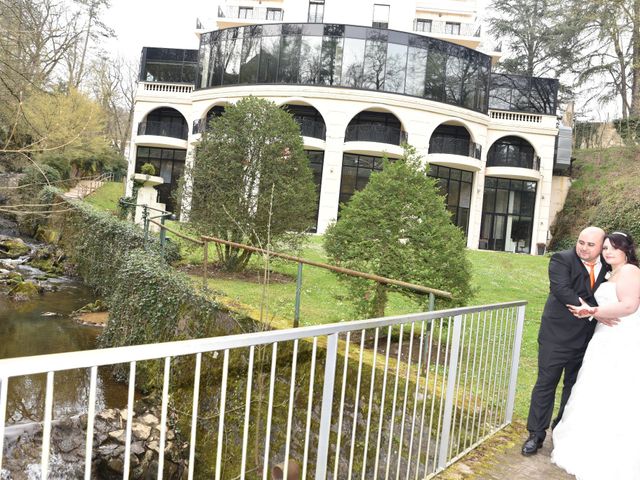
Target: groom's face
{"points": [[589, 246]]}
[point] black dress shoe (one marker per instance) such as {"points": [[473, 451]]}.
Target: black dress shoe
{"points": [[531, 445]]}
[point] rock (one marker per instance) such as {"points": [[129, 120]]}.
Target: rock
{"points": [[108, 415], [116, 464], [154, 446], [137, 448], [11, 247], [118, 435], [149, 419], [140, 431], [24, 291]]}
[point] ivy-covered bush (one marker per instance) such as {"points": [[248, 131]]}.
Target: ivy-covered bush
{"points": [[148, 300]]}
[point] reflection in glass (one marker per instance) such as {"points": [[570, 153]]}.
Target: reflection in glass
{"points": [[396, 65], [507, 215], [269, 53], [349, 56], [289, 68], [331, 61], [310, 60], [416, 71], [375, 59], [249, 60], [352, 68], [435, 76]]}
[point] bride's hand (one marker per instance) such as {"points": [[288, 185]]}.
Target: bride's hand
{"points": [[610, 322], [582, 310]]}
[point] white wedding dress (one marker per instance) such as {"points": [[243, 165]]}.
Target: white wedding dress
{"points": [[599, 435]]}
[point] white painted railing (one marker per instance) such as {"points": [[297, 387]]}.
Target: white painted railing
{"points": [[399, 397], [516, 116], [159, 87]]}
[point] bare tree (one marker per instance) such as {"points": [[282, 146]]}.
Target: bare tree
{"points": [[113, 83]]}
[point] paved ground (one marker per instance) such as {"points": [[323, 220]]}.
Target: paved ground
{"points": [[500, 459]]}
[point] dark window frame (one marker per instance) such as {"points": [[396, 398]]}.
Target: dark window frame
{"points": [[446, 176], [379, 24], [422, 23], [318, 11]]}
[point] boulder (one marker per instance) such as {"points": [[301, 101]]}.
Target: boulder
{"points": [[24, 291], [11, 247]]}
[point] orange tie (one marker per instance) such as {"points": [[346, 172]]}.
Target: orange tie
{"points": [[592, 273]]}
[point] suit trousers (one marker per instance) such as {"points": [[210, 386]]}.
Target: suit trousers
{"points": [[553, 360]]}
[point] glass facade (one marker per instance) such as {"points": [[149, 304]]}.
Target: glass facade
{"points": [[512, 152], [456, 185], [507, 215], [356, 170], [523, 94], [169, 164], [345, 56], [171, 65], [316, 161]]}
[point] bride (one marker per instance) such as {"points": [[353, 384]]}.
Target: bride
{"points": [[599, 435]]}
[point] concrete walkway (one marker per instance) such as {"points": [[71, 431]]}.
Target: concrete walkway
{"points": [[500, 459]]}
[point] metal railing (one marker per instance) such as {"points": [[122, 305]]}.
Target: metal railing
{"points": [[364, 399], [446, 28], [163, 129], [523, 161], [375, 133], [455, 146], [311, 128], [251, 13]]}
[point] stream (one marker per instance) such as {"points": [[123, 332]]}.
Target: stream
{"points": [[44, 325]]}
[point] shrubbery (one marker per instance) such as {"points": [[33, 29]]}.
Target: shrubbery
{"points": [[398, 227], [149, 301]]}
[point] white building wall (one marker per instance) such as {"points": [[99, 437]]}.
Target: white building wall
{"points": [[419, 118]]}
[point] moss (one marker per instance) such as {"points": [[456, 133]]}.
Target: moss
{"points": [[13, 248], [24, 291]]}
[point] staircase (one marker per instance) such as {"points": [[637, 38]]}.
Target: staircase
{"points": [[87, 186]]}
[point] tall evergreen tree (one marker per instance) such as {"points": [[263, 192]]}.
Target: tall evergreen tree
{"points": [[398, 227]]}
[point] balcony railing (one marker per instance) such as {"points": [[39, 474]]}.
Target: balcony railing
{"points": [[375, 133], [163, 129], [455, 146], [424, 25], [520, 162], [251, 13], [410, 394], [311, 128]]}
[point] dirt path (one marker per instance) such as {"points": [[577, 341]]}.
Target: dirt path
{"points": [[500, 459]]}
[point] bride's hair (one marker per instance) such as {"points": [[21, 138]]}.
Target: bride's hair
{"points": [[623, 241]]}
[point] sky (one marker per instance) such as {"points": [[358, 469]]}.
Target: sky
{"points": [[154, 23]]}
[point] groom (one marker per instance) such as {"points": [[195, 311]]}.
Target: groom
{"points": [[563, 338]]}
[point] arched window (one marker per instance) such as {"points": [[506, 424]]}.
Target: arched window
{"points": [[453, 140], [512, 152], [381, 127], [164, 122], [310, 120]]}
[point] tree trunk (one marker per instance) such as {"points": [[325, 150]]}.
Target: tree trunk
{"points": [[379, 300]]}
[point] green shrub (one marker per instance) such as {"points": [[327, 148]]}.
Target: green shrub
{"points": [[148, 169], [398, 227]]}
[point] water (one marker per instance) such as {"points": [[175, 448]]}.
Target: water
{"points": [[28, 328]]}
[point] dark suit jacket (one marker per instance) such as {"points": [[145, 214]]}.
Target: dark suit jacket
{"points": [[568, 280]]}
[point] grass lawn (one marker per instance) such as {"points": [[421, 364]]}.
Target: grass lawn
{"points": [[497, 277], [106, 197]]}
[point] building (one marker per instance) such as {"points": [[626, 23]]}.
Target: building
{"points": [[360, 78]]}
